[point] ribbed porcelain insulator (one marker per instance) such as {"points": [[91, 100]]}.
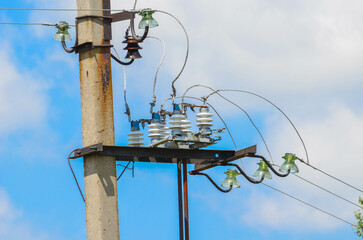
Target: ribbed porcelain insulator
{"points": [[165, 130], [204, 120], [177, 121], [156, 131], [135, 139], [178, 124], [186, 125]]}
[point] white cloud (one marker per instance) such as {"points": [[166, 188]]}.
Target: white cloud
{"points": [[22, 99]]}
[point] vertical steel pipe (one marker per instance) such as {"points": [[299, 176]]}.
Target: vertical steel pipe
{"points": [[186, 207], [180, 200]]}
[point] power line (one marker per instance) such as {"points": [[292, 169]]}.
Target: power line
{"points": [[187, 50], [161, 62], [245, 112], [40, 24], [331, 176], [279, 109], [326, 190], [61, 9], [310, 205], [34, 24]]}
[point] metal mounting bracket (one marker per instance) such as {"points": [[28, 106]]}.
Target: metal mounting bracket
{"points": [[201, 158]]}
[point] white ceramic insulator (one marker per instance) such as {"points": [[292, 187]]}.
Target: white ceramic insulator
{"points": [[165, 132], [135, 139], [156, 130], [204, 120], [177, 121], [186, 125]]}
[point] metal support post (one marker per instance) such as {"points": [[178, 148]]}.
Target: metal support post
{"points": [[180, 200], [186, 205]]}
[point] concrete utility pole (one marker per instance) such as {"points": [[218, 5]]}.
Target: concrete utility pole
{"points": [[98, 121]]}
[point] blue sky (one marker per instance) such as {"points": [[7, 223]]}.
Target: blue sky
{"points": [[304, 55]]}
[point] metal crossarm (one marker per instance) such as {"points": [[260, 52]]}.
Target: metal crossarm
{"points": [[165, 155]]}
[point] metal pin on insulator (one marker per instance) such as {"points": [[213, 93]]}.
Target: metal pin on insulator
{"points": [[135, 139], [204, 120], [157, 129]]}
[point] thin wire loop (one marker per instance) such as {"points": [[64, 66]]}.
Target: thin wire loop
{"points": [[161, 62], [239, 107], [187, 52], [279, 109], [128, 112]]}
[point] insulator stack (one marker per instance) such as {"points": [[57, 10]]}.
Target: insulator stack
{"points": [[135, 137], [165, 130], [187, 126], [179, 124], [204, 119], [157, 129]]}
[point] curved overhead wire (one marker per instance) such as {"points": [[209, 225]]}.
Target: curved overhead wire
{"points": [[331, 176], [310, 205], [161, 62], [128, 112], [239, 107], [279, 109], [187, 51]]}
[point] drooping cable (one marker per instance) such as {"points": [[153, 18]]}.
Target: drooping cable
{"points": [[279, 109], [302, 141], [187, 51], [322, 188], [128, 112], [74, 175], [326, 190], [329, 175], [157, 71], [310, 205], [125, 167], [239, 107]]}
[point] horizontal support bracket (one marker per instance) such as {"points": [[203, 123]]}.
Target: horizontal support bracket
{"points": [[122, 16], [83, 47], [238, 154], [164, 155]]}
